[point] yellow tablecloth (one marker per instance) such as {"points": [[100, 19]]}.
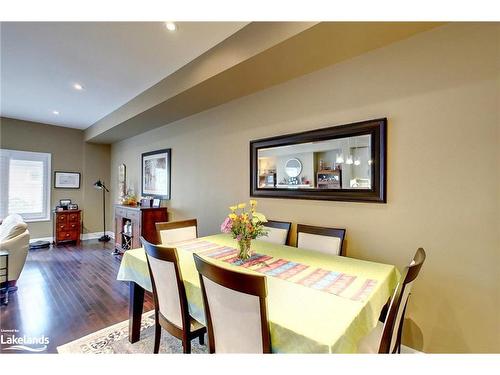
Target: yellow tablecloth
{"points": [[302, 319]]}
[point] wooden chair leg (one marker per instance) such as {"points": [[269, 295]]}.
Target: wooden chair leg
{"points": [[201, 339], [186, 345], [400, 328], [157, 338]]}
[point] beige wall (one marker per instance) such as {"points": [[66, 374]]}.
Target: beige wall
{"points": [[69, 153], [440, 93]]}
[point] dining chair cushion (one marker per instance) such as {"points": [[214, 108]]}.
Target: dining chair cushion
{"points": [[236, 319], [371, 342], [275, 235], [177, 234], [324, 244], [166, 288]]}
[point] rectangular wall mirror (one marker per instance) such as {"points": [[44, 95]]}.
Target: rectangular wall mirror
{"points": [[343, 163]]}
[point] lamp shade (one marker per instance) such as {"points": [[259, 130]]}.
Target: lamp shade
{"points": [[98, 184]]}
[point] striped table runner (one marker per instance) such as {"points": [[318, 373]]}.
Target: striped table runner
{"points": [[327, 281]]}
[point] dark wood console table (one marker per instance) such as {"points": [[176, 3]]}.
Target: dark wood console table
{"points": [[132, 222]]}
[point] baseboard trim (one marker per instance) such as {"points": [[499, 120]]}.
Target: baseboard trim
{"points": [[84, 236], [96, 235]]}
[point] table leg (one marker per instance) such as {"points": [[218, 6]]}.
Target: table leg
{"points": [[135, 312]]}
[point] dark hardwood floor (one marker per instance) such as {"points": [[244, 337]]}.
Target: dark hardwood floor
{"points": [[67, 292]]}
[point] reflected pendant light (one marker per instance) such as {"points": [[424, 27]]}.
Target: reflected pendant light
{"points": [[356, 160], [349, 158]]}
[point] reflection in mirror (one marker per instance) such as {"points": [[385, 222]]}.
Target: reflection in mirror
{"points": [[341, 163], [338, 163], [293, 167]]}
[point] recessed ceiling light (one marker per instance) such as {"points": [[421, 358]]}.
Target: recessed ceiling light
{"points": [[77, 86], [170, 26], [55, 112]]}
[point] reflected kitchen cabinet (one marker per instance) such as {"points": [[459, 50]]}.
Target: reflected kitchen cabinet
{"points": [[329, 179]]}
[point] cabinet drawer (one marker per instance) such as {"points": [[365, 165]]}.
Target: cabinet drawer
{"points": [[62, 227], [62, 218], [74, 217], [73, 225], [67, 236]]}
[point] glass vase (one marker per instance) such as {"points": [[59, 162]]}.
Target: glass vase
{"points": [[245, 251]]}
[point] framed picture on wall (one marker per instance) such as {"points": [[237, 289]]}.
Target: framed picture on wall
{"points": [[66, 180], [122, 175], [156, 173]]}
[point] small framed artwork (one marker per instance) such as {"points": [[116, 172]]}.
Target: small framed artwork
{"points": [[156, 174], [146, 202], [72, 206], [122, 175], [66, 180], [156, 203]]}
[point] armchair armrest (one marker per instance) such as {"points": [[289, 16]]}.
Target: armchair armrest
{"points": [[18, 251]]}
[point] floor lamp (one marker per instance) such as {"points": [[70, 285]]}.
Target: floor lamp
{"points": [[100, 185]]}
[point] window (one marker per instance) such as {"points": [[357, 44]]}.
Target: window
{"points": [[25, 184]]}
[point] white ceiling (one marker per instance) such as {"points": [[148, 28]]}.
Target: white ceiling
{"points": [[114, 61]]}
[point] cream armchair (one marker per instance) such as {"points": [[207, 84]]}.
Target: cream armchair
{"points": [[15, 238]]}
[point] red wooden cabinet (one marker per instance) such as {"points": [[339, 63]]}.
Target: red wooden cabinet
{"points": [[67, 226]]}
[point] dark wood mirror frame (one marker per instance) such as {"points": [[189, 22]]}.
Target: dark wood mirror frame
{"points": [[377, 194]]}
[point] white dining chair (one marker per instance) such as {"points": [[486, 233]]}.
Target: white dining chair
{"points": [[175, 231], [324, 240], [171, 307], [277, 232], [235, 309], [386, 337]]}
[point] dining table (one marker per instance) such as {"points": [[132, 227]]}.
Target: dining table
{"points": [[316, 302]]}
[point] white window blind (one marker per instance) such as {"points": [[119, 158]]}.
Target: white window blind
{"points": [[25, 184]]}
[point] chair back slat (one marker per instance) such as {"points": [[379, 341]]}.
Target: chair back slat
{"points": [[175, 231], [395, 315], [235, 308], [168, 288], [277, 232], [325, 240], [235, 318], [167, 294]]}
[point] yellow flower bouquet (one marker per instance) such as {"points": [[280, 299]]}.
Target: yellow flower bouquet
{"points": [[244, 224]]}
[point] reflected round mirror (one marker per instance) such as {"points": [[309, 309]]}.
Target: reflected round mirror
{"points": [[293, 167]]}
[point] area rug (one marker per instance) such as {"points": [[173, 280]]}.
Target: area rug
{"points": [[114, 339]]}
